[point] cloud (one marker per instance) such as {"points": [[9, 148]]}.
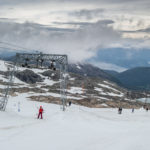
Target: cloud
{"points": [[108, 66], [79, 44], [83, 24]]}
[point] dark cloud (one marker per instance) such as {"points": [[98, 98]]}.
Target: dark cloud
{"points": [[88, 14], [73, 23], [146, 30], [82, 24]]}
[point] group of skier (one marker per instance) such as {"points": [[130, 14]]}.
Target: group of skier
{"points": [[120, 110], [41, 110]]}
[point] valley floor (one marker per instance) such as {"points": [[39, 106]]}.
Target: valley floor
{"points": [[78, 128]]}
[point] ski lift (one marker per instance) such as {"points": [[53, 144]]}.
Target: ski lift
{"points": [[83, 90], [8, 68], [26, 63], [42, 60], [37, 62], [52, 66]]}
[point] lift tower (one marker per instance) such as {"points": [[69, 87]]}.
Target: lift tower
{"points": [[29, 60], [5, 94]]}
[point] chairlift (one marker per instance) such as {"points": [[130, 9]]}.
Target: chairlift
{"points": [[26, 63], [8, 68], [83, 89], [52, 66], [37, 62], [42, 60]]}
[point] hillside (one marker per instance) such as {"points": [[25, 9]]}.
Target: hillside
{"points": [[111, 72], [136, 78], [84, 69], [91, 71], [43, 85]]}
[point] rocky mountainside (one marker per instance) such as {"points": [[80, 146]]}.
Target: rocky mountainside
{"points": [[132, 79], [43, 85], [91, 71], [85, 69]]}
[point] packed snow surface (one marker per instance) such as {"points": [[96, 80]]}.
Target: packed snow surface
{"points": [[78, 128]]}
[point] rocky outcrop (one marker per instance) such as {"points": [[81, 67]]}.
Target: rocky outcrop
{"points": [[54, 75], [28, 76]]}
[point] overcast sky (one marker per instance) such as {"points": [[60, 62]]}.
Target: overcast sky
{"points": [[78, 28]]}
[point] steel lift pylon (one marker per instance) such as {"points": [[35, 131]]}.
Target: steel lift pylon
{"points": [[5, 94]]}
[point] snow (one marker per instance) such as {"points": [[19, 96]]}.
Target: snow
{"points": [[108, 83], [78, 128], [104, 104], [104, 98], [19, 82], [78, 66], [107, 93], [108, 87], [3, 66], [75, 90], [98, 89], [72, 79], [49, 82], [2, 78], [114, 94], [35, 70], [2, 86]]}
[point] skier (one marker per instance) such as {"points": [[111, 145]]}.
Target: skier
{"points": [[40, 112], [69, 103], [119, 110], [132, 110], [147, 109]]}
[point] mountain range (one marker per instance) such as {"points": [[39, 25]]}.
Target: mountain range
{"points": [[41, 84], [133, 79], [124, 58]]}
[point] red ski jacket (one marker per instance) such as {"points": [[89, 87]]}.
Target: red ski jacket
{"points": [[41, 110]]}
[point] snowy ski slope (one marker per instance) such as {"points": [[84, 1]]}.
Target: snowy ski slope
{"points": [[79, 128]]}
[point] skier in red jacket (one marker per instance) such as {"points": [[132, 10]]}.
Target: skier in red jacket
{"points": [[40, 112]]}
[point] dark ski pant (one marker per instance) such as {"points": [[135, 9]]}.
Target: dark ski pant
{"points": [[119, 112], [40, 114]]}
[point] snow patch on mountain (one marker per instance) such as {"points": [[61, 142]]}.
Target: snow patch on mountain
{"points": [[108, 87], [75, 90]]}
